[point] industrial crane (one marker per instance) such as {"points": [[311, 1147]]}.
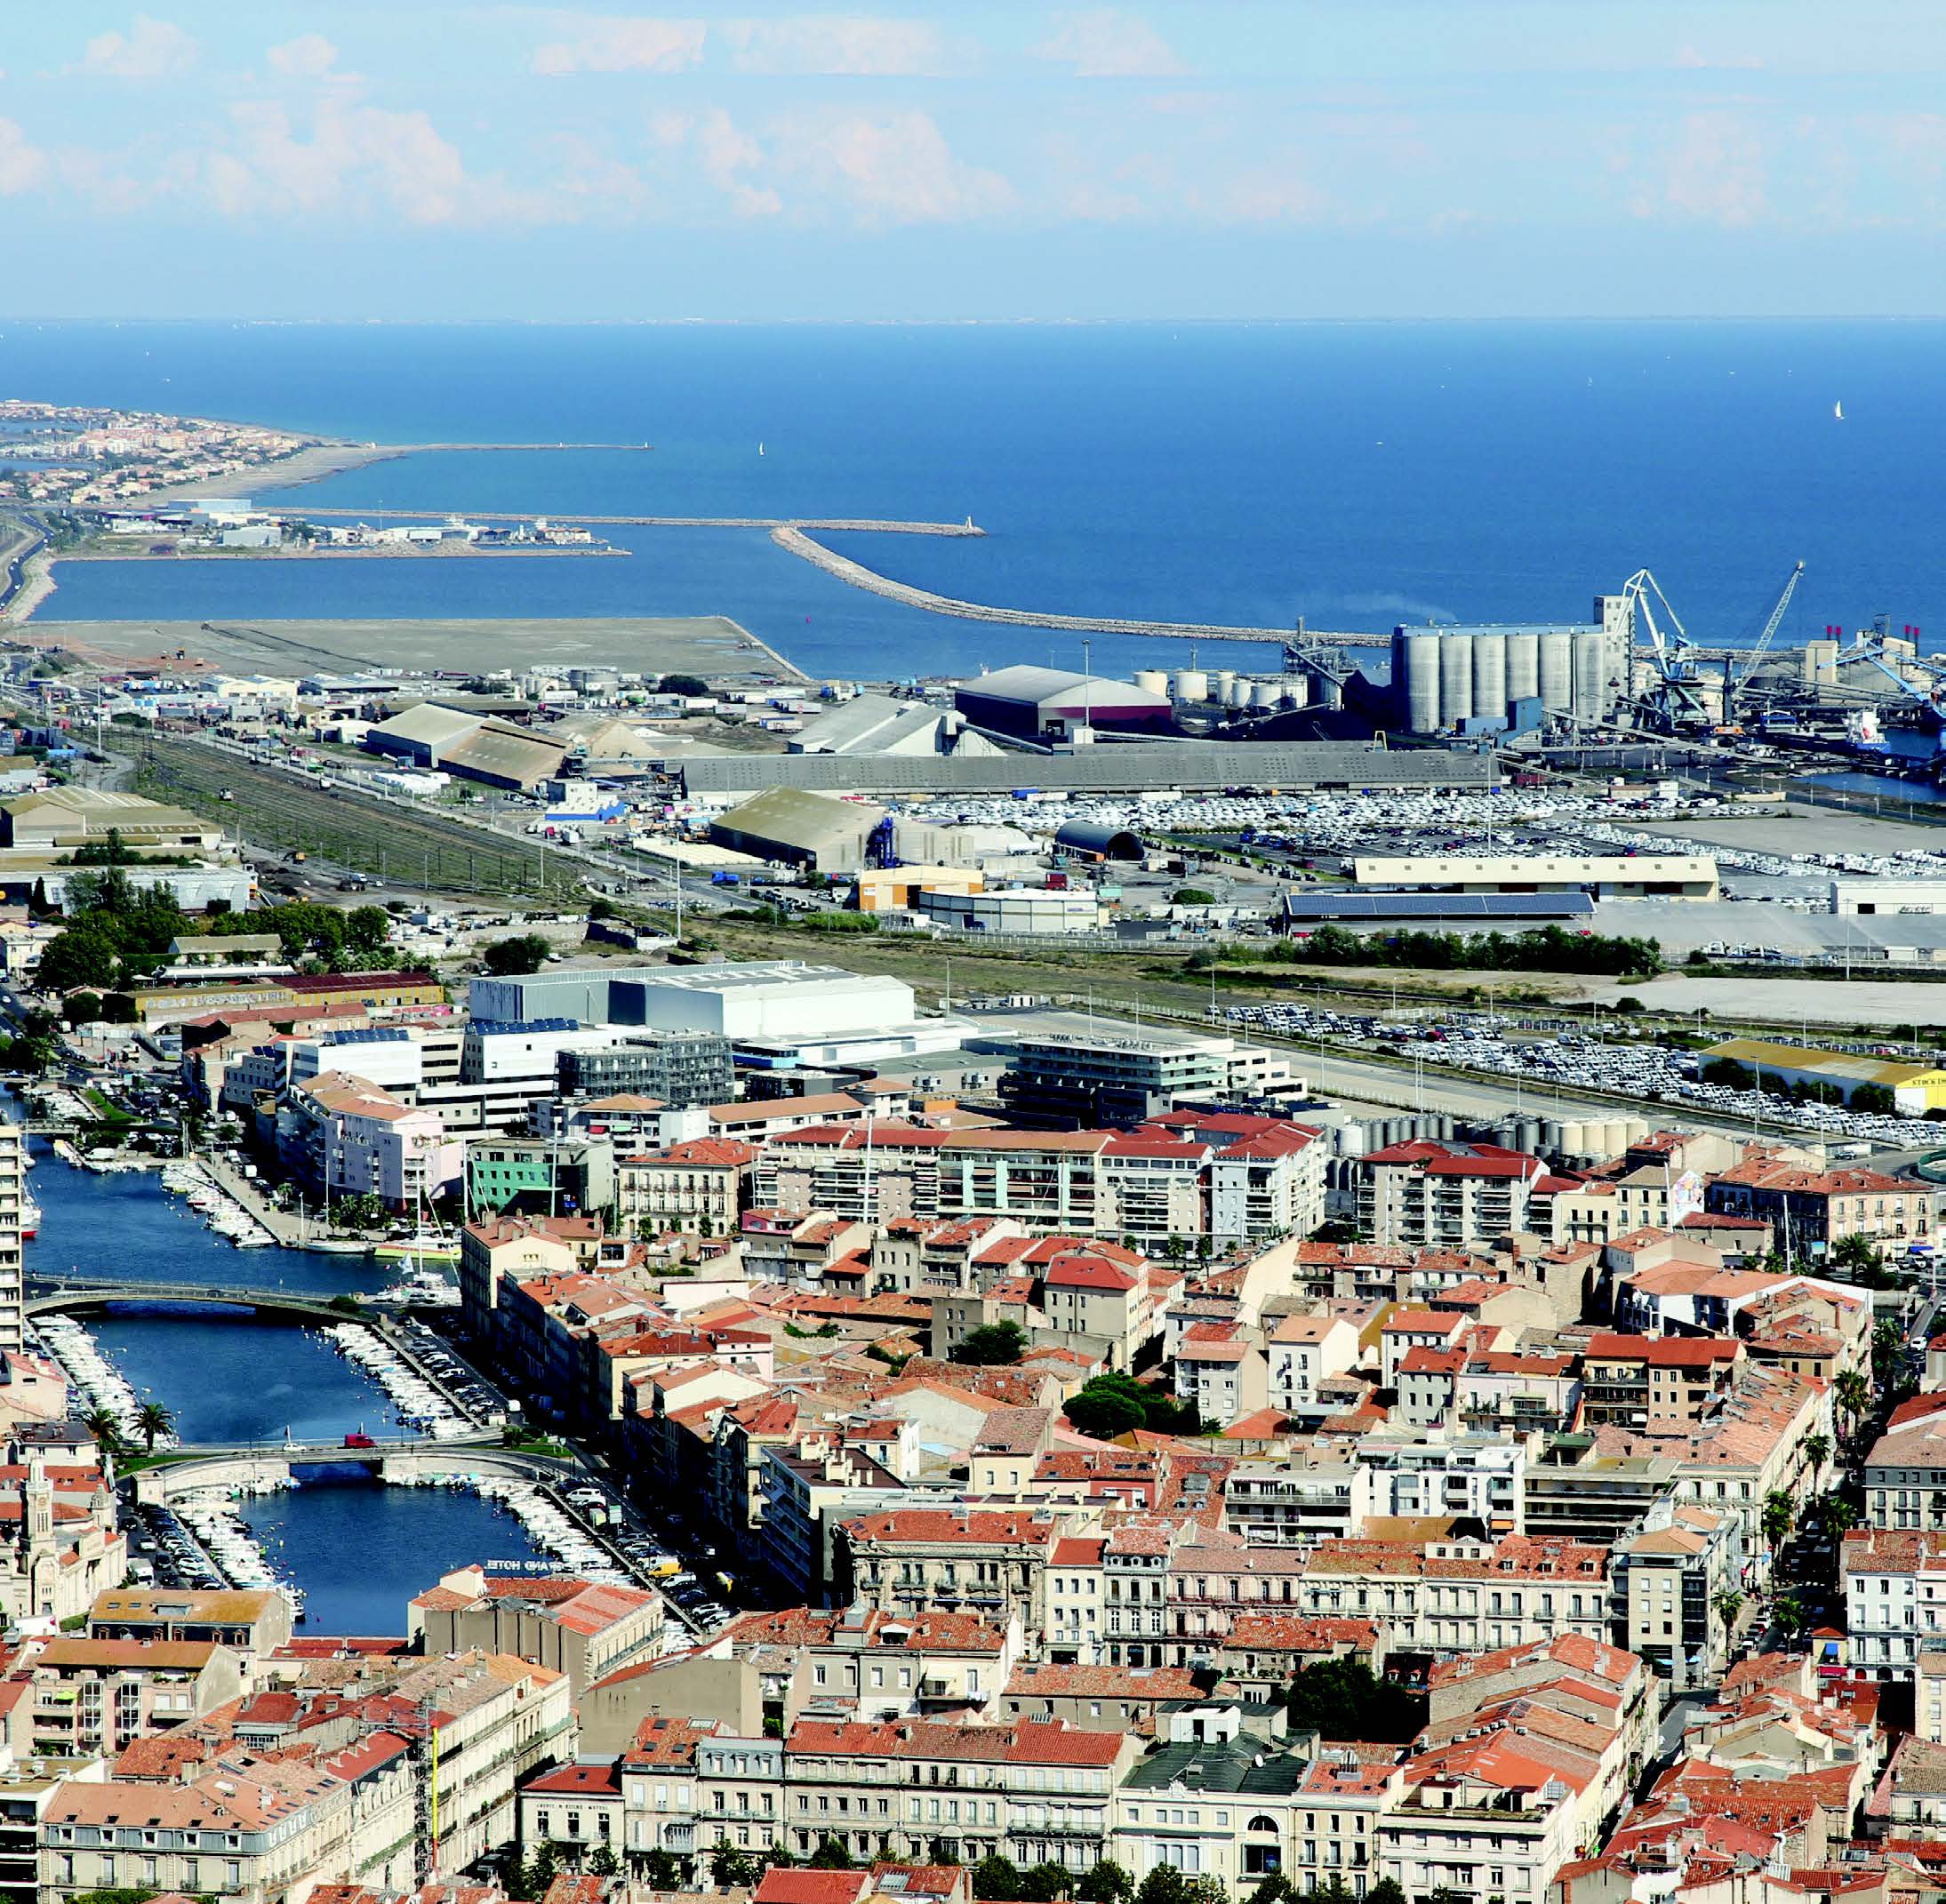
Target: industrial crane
{"points": [[1735, 678], [1674, 699]]}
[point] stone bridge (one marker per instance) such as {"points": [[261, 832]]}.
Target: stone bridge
{"points": [[262, 1465], [78, 1293]]}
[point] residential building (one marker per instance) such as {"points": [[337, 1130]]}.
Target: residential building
{"points": [[703, 1185], [583, 1629]]}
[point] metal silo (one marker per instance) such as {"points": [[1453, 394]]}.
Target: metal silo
{"points": [[1557, 682], [1267, 694], [1152, 681], [1490, 676], [1422, 701], [1455, 679], [1590, 674], [1523, 665], [1297, 691], [1220, 682], [1192, 686]]}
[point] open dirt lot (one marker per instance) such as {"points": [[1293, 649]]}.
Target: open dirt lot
{"points": [[712, 646]]}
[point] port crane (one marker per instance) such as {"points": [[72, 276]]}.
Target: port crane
{"points": [[1674, 699], [1737, 678]]}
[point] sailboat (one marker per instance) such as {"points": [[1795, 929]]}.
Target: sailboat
{"points": [[760, 448], [1838, 410]]}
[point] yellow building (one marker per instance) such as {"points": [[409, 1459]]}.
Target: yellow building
{"points": [[883, 890], [1915, 1088]]}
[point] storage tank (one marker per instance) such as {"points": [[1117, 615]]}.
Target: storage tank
{"points": [[1222, 683], [1152, 680], [1614, 1136], [1557, 682], [1523, 665], [1235, 693], [1527, 1134], [1267, 694], [1192, 686], [1575, 1137], [1489, 677], [1422, 680], [1590, 674], [1296, 690], [1456, 679]]}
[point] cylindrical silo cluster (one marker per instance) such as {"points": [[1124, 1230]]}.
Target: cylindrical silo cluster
{"points": [[1152, 680], [1455, 679], [1489, 675], [1591, 673], [1192, 686], [1416, 672], [1558, 672], [1523, 664], [1267, 694]]}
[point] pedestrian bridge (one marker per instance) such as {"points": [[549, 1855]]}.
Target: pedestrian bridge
{"points": [[257, 1466], [71, 1293]]}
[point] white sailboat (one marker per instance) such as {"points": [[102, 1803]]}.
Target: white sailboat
{"points": [[1838, 410], [760, 448]]}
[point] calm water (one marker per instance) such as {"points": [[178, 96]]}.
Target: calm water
{"points": [[1356, 475], [361, 1550]]}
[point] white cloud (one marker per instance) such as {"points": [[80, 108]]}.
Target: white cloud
{"points": [[151, 48], [1713, 169], [1107, 43], [22, 165], [309, 56], [820, 44], [894, 169], [730, 156], [356, 154], [618, 46]]}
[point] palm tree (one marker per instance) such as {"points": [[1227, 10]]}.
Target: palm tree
{"points": [[1791, 1615], [1780, 1512], [1853, 1394], [106, 1430], [1728, 1605], [1840, 1516], [153, 1421], [1819, 1448]]}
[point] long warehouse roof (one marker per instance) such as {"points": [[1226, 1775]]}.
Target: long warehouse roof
{"points": [[1107, 767], [1858, 1067], [1438, 906]]}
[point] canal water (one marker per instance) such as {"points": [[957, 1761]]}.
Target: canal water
{"points": [[361, 1551]]}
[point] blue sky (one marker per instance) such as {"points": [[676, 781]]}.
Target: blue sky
{"points": [[1178, 158]]}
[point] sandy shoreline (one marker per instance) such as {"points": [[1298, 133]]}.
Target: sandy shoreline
{"points": [[308, 465]]}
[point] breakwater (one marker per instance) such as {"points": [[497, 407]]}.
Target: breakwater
{"points": [[793, 538], [834, 524]]}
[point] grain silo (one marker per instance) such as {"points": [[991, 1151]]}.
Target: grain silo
{"points": [[1152, 680], [1591, 691], [1267, 694], [1523, 664], [1192, 687], [1418, 649], [1557, 683], [1490, 675], [1455, 679]]}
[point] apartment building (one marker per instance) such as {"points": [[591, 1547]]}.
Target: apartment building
{"points": [[703, 1185], [1895, 1586], [1637, 1379], [1905, 1473], [1669, 1575], [1817, 1208], [1303, 1351], [583, 1629], [96, 1695], [1431, 1195], [989, 1561]]}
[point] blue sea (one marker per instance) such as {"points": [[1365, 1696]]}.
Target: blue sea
{"points": [[1356, 475]]}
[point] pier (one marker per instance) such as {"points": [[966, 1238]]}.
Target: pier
{"points": [[830, 525]]}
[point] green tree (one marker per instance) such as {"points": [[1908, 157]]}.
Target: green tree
{"points": [[1106, 1882], [1779, 1514], [1274, 1888], [508, 958], [996, 1877], [82, 956], [1345, 1700], [1104, 1413], [541, 1870], [1191, 896], [829, 1856], [366, 928], [81, 1008], [1817, 1448], [1044, 1882], [1791, 1615], [682, 685], [153, 1421], [996, 1345], [732, 1869], [1852, 1395], [106, 1430], [660, 1871], [1728, 1605], [604, 1863], [1385, 1892]]}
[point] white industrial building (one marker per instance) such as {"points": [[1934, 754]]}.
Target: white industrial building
{"points": [[1865, 898], [1028, 911], [770, 998], [1619, 876]]}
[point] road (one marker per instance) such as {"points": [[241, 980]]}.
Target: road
{"points": [[25, 539]]}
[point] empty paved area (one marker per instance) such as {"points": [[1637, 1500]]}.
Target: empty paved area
{"points": [[1893, 1007], [712, 645]]}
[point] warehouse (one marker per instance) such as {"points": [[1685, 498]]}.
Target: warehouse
{"points": [[1915, 1088], [816, 831], [420, 734], [1438, 912], [499, 755], [1050, 704], [894, 888], [877, 723], [1084, 839], [1025, 910], [1904, 897], [1190, 766], [764, 999], [1632, 876]]}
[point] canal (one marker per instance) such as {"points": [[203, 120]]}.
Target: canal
{"points": [[360, 1550]]}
